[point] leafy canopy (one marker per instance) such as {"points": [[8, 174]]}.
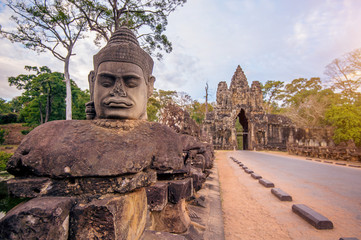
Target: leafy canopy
{"points": [[148, 18]]}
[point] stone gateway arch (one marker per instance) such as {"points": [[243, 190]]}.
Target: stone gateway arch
{"points": [[239, 120]]}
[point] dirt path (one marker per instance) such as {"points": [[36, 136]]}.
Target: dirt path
{"points": [[244, 217]]}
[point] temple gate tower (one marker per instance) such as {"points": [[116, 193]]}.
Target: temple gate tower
{"points": [[239, 120]]}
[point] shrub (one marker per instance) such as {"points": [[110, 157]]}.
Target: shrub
{"points": [[25, 132], [3, 134], [8, 118], [4, 158]]}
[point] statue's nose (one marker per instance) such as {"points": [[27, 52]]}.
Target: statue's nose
{"points": [[118, 89]]}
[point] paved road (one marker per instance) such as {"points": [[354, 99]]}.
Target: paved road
{"points": [[334, 191]]}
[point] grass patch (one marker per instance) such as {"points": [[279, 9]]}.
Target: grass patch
{"points": [[4, 158]]}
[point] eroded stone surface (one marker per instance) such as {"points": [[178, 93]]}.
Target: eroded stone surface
{"points": [[84, 149], [110, 217], [173, 218], [157, 196], [180, 189], [154, 235], [35, 187], [40, 218]]}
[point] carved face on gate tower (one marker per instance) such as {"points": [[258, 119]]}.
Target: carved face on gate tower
{"points": [[121, 82]]}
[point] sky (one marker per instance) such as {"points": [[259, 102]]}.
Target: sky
{"points": [[270, 39]]}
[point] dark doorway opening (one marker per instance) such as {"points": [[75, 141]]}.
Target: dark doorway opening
{"points": [[242, 130]]}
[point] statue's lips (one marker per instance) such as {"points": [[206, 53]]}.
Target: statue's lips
{"points": [[114, 103]]}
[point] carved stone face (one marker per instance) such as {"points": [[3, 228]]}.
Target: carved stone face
{"points": [[120, 91]]}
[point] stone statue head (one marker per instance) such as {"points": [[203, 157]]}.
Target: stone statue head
{"points": [[122, 80]]}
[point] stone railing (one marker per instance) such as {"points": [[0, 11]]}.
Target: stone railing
{"points": [[346, 153]]}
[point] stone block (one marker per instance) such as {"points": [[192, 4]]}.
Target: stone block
{"points": [[342, 164], [154, 235], [173, 218], [198, 178], [256, 176], [312, 217], [180, 189], [28, 187], [281, 195], [241, 164], [157, 196], [35, 187], [355, 166], [40, 218], [266, 183], [244, 167], [110, 217], [249, 171], [199, 161]]}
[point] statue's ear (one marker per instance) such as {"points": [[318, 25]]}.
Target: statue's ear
{"points": [[91, 80], [151, 85]]}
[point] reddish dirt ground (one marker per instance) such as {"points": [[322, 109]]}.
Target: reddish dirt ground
{"points": [[252, 212], [244, 218], [14, 136]]}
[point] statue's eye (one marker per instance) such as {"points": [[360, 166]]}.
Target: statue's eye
{"points": [[131, 81], [106, 81]]}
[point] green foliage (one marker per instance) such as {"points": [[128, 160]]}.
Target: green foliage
{"points": [[346, 119], [147, 17], [43, 96], [80, 98], [4, 106], [3, 134], [25, 132], [157, 101], [4, 158], [153, 108], [239, 129], [296, 91], [8, 118], [272, 94], [197, 111]]}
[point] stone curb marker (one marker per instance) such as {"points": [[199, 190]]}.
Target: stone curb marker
{"points": [[281, 195], [256, 176], [312, 217], [266, 183]]}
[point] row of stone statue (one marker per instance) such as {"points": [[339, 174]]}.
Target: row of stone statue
{"points": [[113, 176]]}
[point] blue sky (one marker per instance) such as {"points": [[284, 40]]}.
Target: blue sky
{"points": [[270, 40]]}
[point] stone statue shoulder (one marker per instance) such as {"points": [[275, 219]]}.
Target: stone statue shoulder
{"points": [[86, 148]]}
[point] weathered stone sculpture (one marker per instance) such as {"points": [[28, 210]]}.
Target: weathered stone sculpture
{"points": [[93, 172]]}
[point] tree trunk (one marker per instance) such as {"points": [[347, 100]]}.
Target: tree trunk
{"points": [[206, 100], [41, 112], [48, 104], [68, 87]]}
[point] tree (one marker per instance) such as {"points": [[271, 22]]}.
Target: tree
{"points": [[272, 93], [295, 92], [182, 99], [148, 18], [37, 86], [5, 107], [206, 96], [157, 101], [43, 96], [197, 111], [48, 25], [345, 74], [346, 119]]}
